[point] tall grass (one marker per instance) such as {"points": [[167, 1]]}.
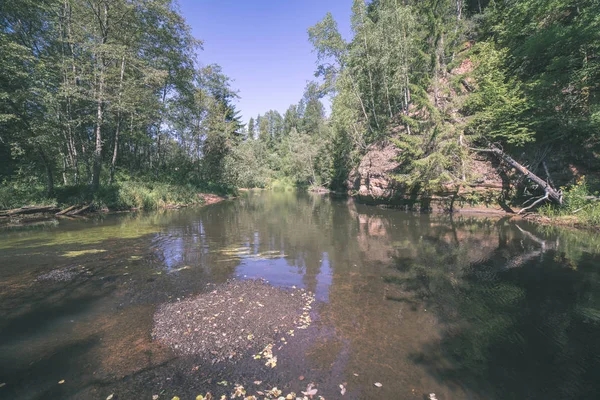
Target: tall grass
{"points": [[120, 196], [576, 205]]}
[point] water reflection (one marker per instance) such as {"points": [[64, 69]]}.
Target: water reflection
{"points": [[477, 308]]}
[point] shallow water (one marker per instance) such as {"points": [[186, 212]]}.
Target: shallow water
{"points": [[463, 307]]}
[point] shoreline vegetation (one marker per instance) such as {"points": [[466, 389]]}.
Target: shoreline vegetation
{"points": [[24, 207], [71, 202]]}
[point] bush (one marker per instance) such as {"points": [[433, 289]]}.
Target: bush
{"points": [[15, 196], [119, 196], [576, 202]]}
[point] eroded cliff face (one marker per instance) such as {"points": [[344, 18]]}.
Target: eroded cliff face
{"points": [[372, 182], [372, 179]]}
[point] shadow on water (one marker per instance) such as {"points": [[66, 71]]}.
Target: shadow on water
{"points": [[523, 322], [48, 370]]}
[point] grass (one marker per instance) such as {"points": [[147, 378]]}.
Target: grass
{"points": [[576, 207], [120, 196]]}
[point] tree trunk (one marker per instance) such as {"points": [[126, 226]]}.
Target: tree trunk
{"points": [[49, 173], [371, 82], [550, 192], [97, 168], [116, 148]]}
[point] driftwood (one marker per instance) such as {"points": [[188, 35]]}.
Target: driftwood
{"points": [[550, 193], [66, 210], [80, 210], [29, 210]]}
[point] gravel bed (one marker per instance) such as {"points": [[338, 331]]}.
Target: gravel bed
{"points": [[61, 274], [232, 320]]}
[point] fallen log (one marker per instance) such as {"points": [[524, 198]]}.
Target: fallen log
{"points": [[29, 210], [68, 209], [550, 193], [81, 210]]}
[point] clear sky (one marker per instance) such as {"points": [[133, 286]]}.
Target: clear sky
{"points": [[262, 45]]}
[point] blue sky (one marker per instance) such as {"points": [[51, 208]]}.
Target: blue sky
{"points": [[262, 45]]}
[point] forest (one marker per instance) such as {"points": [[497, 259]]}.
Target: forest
{"points": [[104, 100]]}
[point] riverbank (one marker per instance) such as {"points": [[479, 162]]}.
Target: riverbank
{"points": [[564, 221], [24, 206]]}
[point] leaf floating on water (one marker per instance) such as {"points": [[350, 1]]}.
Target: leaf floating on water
{"points": [[301, 378], [272, 362], [239, 391], [310, 390], [223, 383], [110, 397], [378, 384], [61, 382], [355, 374]]}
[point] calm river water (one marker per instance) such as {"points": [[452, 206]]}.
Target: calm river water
{"points": [[463, 307]]}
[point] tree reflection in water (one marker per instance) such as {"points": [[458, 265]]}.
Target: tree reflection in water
{"points": [[522, 322]]}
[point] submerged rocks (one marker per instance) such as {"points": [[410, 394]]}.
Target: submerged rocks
{"points": [[232, 319], [62, 274]]}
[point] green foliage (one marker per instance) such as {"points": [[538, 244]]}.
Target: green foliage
{"points": [[247, 166], [15, 196], [553, 48], [118, 196], [498, 108], [149, 196], [88, 88], [290, 151], [578, 202], [429, 162]]}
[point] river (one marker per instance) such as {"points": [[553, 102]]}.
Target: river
{"points": [[461, 306]]}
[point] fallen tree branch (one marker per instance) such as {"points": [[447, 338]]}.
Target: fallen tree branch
{"points": [[549, 178], [66, 210], [29, 210], [80, 211], [549, 191], [538, 201]]}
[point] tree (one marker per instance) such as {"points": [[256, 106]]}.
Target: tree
{"points": [[251, 128], [314, 112]]}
